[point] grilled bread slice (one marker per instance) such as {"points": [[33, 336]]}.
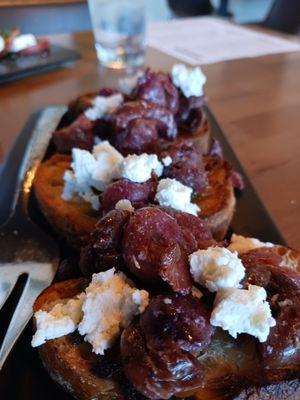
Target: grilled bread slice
{"points": [[74, 220], [230, 365]]}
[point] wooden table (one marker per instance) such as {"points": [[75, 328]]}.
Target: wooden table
{"points": [[256, 101]]}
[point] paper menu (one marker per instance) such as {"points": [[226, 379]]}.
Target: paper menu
{"points": [[207, 40]]}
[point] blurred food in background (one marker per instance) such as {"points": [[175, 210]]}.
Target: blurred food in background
{"points": [[13, 43]]}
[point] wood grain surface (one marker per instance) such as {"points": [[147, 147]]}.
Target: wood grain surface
{"points": [[256, 102]]}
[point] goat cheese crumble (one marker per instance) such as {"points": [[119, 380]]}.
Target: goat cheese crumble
{"points": [[138, 168], [167, 161], [22, 42], [124, 204], [103, 105], [172, 193], [243, 311], [91, 170], [109, 305], [216, 268], [190, 80], [78, 181], [61, 320], [243, 244], [107, 167]]}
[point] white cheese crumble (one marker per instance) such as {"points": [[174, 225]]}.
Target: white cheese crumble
{"points": [[125, 205], [103, 105], [2, 43], [138, 168], [190, 80], [22, 42], [61, 320], [243, 244], [172, 193], [79, 180], [167, 161], [216, 268], [91, 170], [107, 167], [243, 311], [109, 305]]}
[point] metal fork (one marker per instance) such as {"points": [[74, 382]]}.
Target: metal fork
{"points": [[24, 247]]}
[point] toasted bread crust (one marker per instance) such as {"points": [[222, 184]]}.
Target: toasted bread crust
{"points": [[217, 203], [74, 220], [59, 291], [72, 364]]}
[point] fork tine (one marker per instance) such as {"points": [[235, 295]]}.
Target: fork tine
{"points": [[6, 287], [22, 314]]}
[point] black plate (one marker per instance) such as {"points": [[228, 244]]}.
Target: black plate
{"points": [[23, 376], [15, 67]]}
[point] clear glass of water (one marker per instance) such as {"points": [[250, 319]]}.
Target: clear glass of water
{"points": [[119, 32]]}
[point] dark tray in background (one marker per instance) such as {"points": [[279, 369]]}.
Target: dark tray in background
{"points": [[15, 67], [23, 376]]}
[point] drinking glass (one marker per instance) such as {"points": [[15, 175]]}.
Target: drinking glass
{"points": [[119, 32]]}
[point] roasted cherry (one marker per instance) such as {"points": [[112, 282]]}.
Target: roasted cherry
{"points": [[196, 234], [142, 109], [158, 88], [139, 136], [190, 112], [78, 134], [187, 165], [139, 194], [159, 351], [153, 251], [281, 350], [103, 249]]}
